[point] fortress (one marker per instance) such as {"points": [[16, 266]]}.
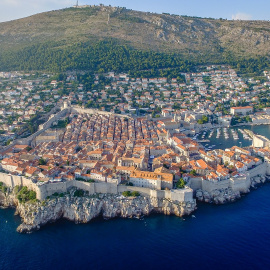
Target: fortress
{"points": [[43, 190], [238, 183], [48, 189]]}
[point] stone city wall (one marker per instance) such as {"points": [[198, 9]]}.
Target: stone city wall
{"points": [[48, 189], [209, 186], [183, 195], [15, 180], [240, 184], [75, 109], [143, 191], [259, 170], [30, 140], [195, 183]]}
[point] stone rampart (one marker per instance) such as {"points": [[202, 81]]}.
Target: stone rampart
{"points": [[47, 125], [258, 170], [185, 195], [180, 195], [241, 184], [6, 179], [17, 180], [76, 109], [195, 183], [209, 186], [143, 191], [45, 190], [90, 187], [106, 188], [30, 140]]}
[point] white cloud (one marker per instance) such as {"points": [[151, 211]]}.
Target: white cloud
{"points": [[241, 16]]}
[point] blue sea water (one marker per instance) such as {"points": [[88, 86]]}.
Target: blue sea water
{"points": [[232, 236]]}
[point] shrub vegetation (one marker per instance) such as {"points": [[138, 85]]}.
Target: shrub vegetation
{"points": [[25, 195]]}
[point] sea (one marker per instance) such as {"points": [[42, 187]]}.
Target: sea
{"points": [[231, 236]]}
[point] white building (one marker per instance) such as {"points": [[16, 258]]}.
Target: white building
{"points": [[241, 110]]}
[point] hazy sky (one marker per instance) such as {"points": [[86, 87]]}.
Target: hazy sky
{"points": [[230, 9]]}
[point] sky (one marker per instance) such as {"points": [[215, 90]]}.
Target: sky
{"points": [[226, 9]]}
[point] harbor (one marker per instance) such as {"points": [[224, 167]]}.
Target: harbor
{"points": [[222, 138]]}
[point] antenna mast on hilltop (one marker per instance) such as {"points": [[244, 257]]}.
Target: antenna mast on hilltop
{"points": [[77, 4]]}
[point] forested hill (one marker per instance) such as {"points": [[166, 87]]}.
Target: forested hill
{"points": [[104, 38]]}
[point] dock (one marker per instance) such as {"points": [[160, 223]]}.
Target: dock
{"points": [[249, 133]]}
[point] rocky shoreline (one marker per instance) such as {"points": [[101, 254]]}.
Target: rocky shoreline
{"points": [[84, 209], [227, 195]]}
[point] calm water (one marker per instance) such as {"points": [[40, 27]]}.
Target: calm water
{"points": [[233, 236], [222, 143]]}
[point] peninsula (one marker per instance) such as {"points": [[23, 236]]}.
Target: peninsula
{"points": [[117, 118], [83, 163]]}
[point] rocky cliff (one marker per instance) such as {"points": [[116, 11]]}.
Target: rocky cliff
{"points": [[218, 196], [84, 209]]}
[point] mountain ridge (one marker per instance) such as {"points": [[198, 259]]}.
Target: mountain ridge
{"points": [[199, 40]]}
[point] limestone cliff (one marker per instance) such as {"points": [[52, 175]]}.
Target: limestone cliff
{"points": [[218, 196], [7, 199], [84, 209]]}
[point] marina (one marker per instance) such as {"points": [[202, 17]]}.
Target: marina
{"points": [[222, 138]]}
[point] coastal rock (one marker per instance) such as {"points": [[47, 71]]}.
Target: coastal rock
{"points": [[7, 199], [84, 209], [257, 180], [218, 196]]}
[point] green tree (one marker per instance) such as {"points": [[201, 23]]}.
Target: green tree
{"points": [[25, 195], [181, 183], [79, 193], [8, 141], [42, 161], [126, 193], [135, 194], [3, 188], [28, 148]]}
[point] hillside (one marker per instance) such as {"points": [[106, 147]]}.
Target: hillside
{"points": [[82, 38]]}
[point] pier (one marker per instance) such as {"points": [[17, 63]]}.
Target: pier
{"points": [[249, 133], [203, 141]]}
